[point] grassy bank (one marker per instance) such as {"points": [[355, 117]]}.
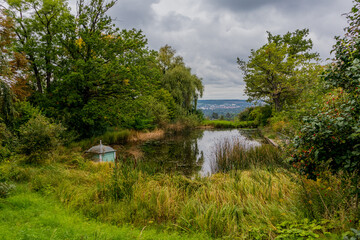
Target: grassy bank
{"points": [[229, 124], [30, 215], [257, 203]]}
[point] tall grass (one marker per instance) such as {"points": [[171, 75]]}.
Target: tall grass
{"points": [[29, 215], [229, 124], [232, 154], [246, 204], [241, 204], [109, 138]]}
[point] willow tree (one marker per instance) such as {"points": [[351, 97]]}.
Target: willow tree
{"points": [[277, 72], [184, 86]]}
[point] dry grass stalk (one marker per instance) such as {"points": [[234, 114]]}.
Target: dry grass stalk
{"points": [[136, 136]]}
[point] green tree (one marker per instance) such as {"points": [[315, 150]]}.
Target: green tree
{"points": [[184, 86], [105, 72], [13, 70], [38, 29], [214, 115], [277, 73]]}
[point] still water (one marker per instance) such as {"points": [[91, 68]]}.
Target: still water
{"points": [[193, 152]]}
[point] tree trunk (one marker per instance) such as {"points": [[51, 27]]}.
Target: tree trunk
{"points": [[37, 74], [277, 102]]}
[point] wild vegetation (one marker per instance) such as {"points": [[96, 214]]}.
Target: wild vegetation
{"points": [[69, 80]]}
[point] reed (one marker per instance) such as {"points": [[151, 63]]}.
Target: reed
{"points": [[233, 154], [136, 136]]}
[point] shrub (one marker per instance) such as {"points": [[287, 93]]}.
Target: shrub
{"points": [[38, 136], [331, 136], [259, 114]]}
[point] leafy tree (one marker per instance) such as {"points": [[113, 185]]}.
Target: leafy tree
{"points": [[98, 65], [214, 115], [278, 72], [184, 86], [38, 28], [168, 60], [13, 70]]}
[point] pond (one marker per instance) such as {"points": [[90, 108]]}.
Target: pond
{"points": [[192, 152]]}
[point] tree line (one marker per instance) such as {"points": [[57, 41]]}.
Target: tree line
{"points": [[81, 70]]}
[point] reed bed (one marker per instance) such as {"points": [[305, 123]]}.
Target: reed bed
{"points": [[234, 154], [136, 136]]}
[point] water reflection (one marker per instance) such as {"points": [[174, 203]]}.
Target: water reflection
{"points": [[192, 152]]}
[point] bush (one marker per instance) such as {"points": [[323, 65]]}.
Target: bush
{"points": [[39, 136], [259, 115], [330, 138]]}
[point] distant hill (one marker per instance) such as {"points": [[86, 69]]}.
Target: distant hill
{"points": [[229, 107]]}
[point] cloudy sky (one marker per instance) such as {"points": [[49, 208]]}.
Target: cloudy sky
{"points": [[211, 34]]}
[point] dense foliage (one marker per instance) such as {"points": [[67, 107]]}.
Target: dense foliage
{"points": [[88, 74], [279, 71], [331, 135]]}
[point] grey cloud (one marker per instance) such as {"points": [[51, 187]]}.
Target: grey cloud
{"points": [[175, 22], [253, 5], [133, 13]]}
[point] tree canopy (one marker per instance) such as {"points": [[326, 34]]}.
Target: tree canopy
{"points": [[184, 86], [277, 72], [88, 74]]}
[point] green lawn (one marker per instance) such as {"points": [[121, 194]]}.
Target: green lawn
{"points": [[29, 215]]}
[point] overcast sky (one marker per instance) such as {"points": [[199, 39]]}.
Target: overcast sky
{"points": [[211, 34]]}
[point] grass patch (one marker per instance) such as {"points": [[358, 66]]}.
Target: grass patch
{"points": [[29, 215], [229, 124]]}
